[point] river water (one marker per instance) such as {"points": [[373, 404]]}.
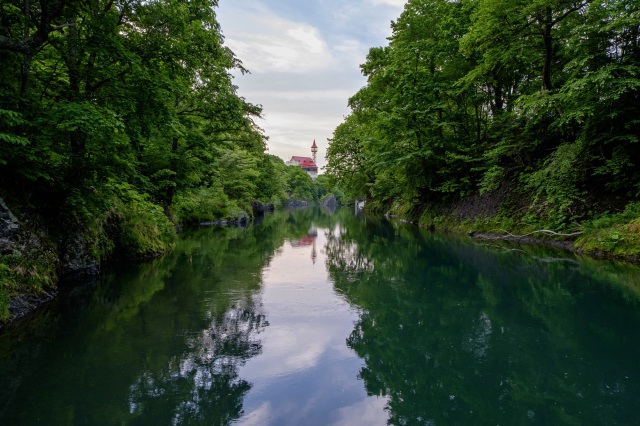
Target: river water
{"points": [[321, 318]]}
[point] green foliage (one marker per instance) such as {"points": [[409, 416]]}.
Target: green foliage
{"points": [[239, 175], [20, 274], [116, 116], [556, 185], [614, 234], [272, 185], [300, 185], [203, 205], [143, 229], [118, 221], [138, 93], [10, 120], [469, 96]]}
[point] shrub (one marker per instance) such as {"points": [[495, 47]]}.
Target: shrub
{"points": [[203, 205]]}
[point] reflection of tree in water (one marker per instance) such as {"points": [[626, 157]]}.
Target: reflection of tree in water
{"points": [[343, 255], [203, 384], [453, 334]]}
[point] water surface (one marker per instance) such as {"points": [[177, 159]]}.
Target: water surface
{"points": [[322, 318]]}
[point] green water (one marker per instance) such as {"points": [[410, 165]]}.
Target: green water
{"points": [[318, 318]]}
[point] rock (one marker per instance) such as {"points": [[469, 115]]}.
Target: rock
{"points": [[75, 250], [257, 208], [298, 203], [330, 201], [9, 227], [238, 218], [28, 242], [24, 304]]}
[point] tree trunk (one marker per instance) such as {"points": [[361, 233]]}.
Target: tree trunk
{"points": [[171, 189], [76, 137], [548, 49], [26, 57]]}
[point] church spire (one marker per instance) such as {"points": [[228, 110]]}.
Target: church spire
{"points": [[314, 150]]}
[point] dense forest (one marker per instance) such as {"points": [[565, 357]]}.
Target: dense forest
{"points": [[530, 107], [119, 121]]}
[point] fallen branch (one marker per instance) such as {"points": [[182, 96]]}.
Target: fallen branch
{"points": [[543, 231]]}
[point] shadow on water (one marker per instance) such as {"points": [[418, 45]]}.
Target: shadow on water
{"points": [[453, 332]]}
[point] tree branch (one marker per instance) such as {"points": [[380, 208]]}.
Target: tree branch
{"points": [[543, 231], [568, 12], [61, 26]]}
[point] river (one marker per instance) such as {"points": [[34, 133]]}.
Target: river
{"points": [[327, 318]]}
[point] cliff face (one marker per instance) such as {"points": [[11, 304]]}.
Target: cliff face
{"points": [[9, 227], [34, 257]]}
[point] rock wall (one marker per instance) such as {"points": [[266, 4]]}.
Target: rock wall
{"points": [[9, 227], [34, 258]]}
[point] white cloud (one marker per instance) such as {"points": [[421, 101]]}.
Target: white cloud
{"points": [[367, 412], [395, 3], [312, 95], [351, 53], [304, 61], [276, 44], [257, 417]]}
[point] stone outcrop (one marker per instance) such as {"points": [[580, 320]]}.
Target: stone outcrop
{"points": [[298, 203], [9, 227], [38, 257], [259, 209], [31, 260], [330, 202], [77, 260]]}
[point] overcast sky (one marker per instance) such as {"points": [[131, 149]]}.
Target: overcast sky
{"points": [[304, 58]]}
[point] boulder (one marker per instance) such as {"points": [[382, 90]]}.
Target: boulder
{"points": [[330, 202], [258, 208]]}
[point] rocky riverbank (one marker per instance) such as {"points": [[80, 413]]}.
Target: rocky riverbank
{"points": [[505, 215], [37, 254]]}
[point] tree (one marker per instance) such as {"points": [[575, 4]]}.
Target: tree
{"points": [[300, 184], [477, 95]]}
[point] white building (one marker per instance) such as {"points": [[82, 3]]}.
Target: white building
{"points": [[308, 164]]}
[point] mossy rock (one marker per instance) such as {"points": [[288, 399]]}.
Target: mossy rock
{"points": [[620, 240]]}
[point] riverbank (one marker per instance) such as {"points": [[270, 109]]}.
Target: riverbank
{"points": [[499, 215], [39, 252]]}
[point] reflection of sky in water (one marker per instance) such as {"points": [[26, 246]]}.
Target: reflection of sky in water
{"points": [[305, 374]]}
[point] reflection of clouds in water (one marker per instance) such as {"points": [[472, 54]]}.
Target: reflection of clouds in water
{"points": [[257, 417], [367, 412], [304, 327], [193, 383], [298, 349], [306, 372], [478, 342]]}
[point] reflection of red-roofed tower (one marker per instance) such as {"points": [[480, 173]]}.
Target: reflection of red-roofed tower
{"points": [[314, 150]]}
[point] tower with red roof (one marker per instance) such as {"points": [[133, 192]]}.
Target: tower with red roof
{"points": [[314, 150], [308, 164]]}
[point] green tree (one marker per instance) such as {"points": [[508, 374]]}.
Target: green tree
{"points": [[300, 184], [476, 95]]}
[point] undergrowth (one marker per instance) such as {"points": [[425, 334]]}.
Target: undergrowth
{"points": [[616, 234], [22, 275], [609, 234]]}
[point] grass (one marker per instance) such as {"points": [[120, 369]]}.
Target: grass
{"points": [[21, 275], [609, 234], [613, 234]]}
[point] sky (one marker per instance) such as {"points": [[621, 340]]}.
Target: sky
{"points": [[303, 57]]}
